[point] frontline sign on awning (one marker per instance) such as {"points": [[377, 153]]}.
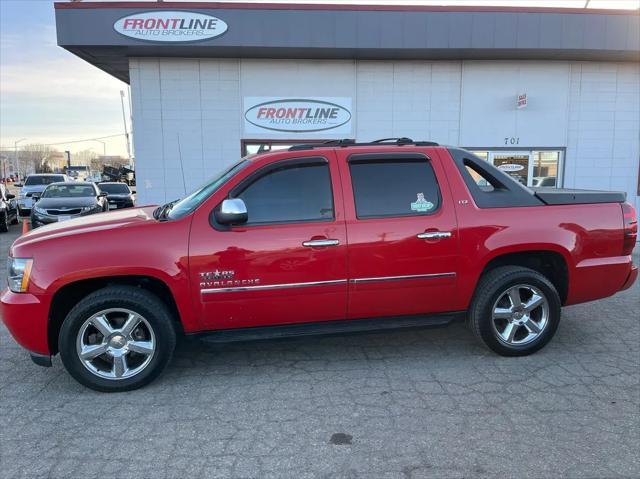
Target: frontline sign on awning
{"points": [[297, 115], [170, 26]]}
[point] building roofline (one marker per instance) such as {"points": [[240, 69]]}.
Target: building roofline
{"points": [[335, 7]]}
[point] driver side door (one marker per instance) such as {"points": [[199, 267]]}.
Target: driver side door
{"points": [[287, 263]]}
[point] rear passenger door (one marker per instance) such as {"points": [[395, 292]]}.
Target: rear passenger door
{"points": [[402, 234]]}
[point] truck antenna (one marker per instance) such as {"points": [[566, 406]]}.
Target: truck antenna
{"points": [[184, 183]]}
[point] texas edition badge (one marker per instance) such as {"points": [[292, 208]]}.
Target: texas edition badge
{"points": [[421, 205]]}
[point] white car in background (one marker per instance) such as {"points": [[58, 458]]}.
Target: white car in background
{"points": [[35, 184]]}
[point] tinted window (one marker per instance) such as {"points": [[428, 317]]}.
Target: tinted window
{"points": [[116, 188], [291, 193], [394, 188], [69, 191], [43, 180]]}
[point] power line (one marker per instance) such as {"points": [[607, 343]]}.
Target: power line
{"points": [[73, 141], [82, 141]]}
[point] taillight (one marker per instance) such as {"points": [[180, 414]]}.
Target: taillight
{"points": [[630, 221]]}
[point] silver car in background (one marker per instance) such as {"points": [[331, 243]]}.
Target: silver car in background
{"points": [[35, 184]]}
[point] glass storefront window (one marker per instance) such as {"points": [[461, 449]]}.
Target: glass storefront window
{"points": [[536, 168], [545, 168]]}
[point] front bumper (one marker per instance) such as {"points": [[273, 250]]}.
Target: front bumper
{"points": [[119, 204], [38, 219], [26, 317]]}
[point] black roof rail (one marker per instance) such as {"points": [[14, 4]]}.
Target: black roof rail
{"points": [[348, 142], [311, 146]]}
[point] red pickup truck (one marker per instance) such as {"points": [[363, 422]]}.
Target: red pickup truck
{"points": [[317, 239]]}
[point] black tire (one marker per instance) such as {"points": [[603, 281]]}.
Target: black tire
{"points": [[140, 301], [491, 288], [4, 222], [15, 219]]}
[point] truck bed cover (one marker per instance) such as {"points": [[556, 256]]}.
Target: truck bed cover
{"points": [[562, 196]]}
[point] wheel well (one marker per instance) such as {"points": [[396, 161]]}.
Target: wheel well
{"points": [[552, 265], [69, 295]]}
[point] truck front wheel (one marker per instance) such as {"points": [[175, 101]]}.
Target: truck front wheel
{"points": [[515, 310], [118, 338]]}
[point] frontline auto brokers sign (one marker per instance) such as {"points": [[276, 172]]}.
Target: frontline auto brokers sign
{"points": [[170, 26], [297, 115]]}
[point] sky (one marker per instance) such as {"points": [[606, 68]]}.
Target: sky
{"points": [[47, 95]]}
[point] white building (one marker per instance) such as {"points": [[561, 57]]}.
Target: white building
{"points": [[553, 93]]}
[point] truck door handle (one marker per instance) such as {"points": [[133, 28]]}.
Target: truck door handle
{"points": [[317, 243], [435, 235]]}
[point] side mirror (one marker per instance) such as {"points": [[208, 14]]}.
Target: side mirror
{"points": [[102, 194], [10, 196], [18, 185], [35, 197], [232, 212]]}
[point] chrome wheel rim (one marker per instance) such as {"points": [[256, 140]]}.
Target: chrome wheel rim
{"points": [[116, 344], [520, 315]]}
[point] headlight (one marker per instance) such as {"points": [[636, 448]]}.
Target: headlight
{"points": [[18, 272], [40, 210], [90, 208]]}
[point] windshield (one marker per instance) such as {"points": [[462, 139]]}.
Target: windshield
{"points": [[68, 191], [43, 180], [195, 199], [116, 188]]}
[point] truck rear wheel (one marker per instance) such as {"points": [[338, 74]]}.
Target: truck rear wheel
{"points": [[515, 310], [118, 338]]}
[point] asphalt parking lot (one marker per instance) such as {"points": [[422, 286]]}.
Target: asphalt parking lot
{"points": [[396, 405]]}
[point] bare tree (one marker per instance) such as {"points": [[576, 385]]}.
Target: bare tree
{"points": [[33, 158]]}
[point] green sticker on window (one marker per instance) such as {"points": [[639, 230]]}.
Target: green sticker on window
{"points": [[421, 205]]}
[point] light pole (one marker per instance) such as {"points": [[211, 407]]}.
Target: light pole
{"points": [[104, 148], [15, 146]]}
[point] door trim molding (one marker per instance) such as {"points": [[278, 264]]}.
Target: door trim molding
{"points": [[237, 289], [405, 277]]}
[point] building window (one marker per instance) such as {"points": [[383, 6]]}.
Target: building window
{"points": [[536, 168], [545, 168]]}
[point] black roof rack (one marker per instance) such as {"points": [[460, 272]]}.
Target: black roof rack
{"points": [[348, 142]]}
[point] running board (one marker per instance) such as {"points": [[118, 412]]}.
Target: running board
{"points": [[329, 328]]}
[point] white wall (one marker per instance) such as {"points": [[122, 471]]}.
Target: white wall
{"points": [[186, 118], [489, 97], [592, 109], [603, 149], [416, 99]]}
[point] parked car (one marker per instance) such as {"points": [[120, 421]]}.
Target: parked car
{"points": [[66, 201], [540, 181], [8, 209], [316, 239], [119, 195], [35, 184]]}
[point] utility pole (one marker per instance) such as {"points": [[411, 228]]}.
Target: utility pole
{"points": [[126, 131], [3, 159], [15, 145], [68, 153]]}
